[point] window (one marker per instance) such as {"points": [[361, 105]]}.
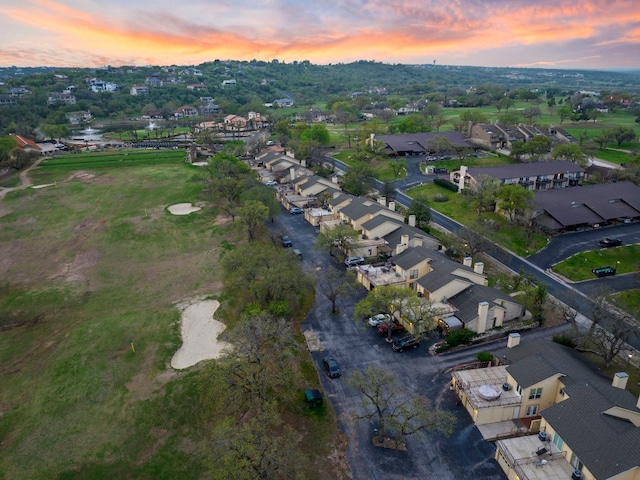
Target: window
{"points": [[557, 441], [532, 410], [519, 390], [575, 462], [413, 274], [535, 393]]}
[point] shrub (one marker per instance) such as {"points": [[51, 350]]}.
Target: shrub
{"points": [[460, 337], [565, 340], [446, 184], [440, 197], [485, 356]]}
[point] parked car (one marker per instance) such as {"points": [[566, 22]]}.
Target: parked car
{"points": [[286, 242], [610, 242], [296, 210], [271, 183], [378, 319], [313, 397], [353, 261], [408, 341], [331, 367], [396, 327]]}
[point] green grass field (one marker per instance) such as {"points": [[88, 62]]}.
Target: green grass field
{"points": [[578, 267], [89, 265]]}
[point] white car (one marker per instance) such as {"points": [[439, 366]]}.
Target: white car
{"points": [[378, 319], [271, 183], [353, 261]]}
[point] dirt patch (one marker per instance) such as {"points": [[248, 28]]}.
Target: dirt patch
{"points": [[199, 331], [143, 386], [74, 271], [222, 220]]}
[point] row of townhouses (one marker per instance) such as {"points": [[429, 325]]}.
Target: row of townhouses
{"points": [[397, 252]]}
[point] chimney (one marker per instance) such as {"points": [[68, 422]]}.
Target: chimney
{"points": [[463, 173], [404, 243], [382, 201], [478, 267], [292, 173], [412, 220], [513, 340], [483, 315], [334, 179], [620, 380], [467, 262], [392, 206]]}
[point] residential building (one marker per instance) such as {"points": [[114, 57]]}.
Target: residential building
{"points": [[591, 206], [420, 143], [552, 415], [76, 118], [531, 176], [61, 97], [186, 111], [139, 90]]}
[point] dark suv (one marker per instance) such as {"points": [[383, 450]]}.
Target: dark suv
{"points": [[286, 242], [408, 341], [331, 367], [610, 242]]}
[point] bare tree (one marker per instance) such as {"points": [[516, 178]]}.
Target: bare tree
{"points": [[609, 332], [398, 413], [335, 283]]}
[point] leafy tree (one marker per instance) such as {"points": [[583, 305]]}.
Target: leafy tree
{"points": [[358, 179], [392, 300], [340, 238], [227, 178], [258, 447], [263, 195], [564, 113], [252, 214], [398, 166], [484, 193], [397, 412], [414, 123], [268, 277], [513, 199], [605, 137], [474, 117], [388, 190], [421, 209], [570, 152], [623, 134], [538, 146]]}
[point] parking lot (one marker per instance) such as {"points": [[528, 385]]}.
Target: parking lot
{"points": [[355, 345]]}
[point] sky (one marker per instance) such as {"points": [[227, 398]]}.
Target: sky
{"points": [[566, 34]]}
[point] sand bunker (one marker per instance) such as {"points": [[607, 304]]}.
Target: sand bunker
{"points": [[199, 334], [183, 209]]}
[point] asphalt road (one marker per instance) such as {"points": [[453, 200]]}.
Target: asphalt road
{"points": [[356, 346]]}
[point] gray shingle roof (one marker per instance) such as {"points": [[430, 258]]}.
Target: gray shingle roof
{"points": [[590, 204], [605, 444], [526, 169]]}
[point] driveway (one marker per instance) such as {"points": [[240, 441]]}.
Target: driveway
{"points": [[357, 346]]}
